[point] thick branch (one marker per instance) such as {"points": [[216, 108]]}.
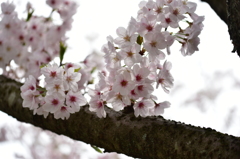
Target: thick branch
{"points": [[233, 11], [229, 12], [220, 8], [152, 137]]}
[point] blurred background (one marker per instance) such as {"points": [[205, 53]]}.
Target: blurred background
{"points": [[206, 87]]}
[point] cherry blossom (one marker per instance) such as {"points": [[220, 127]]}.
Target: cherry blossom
{"points": [[142, 107], [153, 43], [126, 36], [158, 109], [53, 103], [71, 78], [158, 8], [55, 87], [131, 65], [141, 74], [54, 98], [169, 20], [189, 6], [147, 24], [190, 45], [97, 105], [27, 37], [75, 100], [123, 83], [169, 40], [33, 63], [67, 10], [41, 111], [133, 95], [131, 55], [30, 100], [176, 9], [7, 8], [29, 85], [63, 113], [52, 72], [164, 77], [118, 101], [54, 3], [144, 90], [30, 93]]}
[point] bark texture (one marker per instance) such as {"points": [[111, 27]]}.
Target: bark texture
{"points": [[234, 24], [220, 8], [150, 138], [229, 12]]}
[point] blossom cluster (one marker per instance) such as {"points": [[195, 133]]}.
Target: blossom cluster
{"points": [[61, 95], [34, 40], [135, 61]]}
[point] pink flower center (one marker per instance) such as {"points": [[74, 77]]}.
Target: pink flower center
{"points": [[72, 98], [141, 105], [34, 27], [66, 3], [63, 109], [149, 28], [133, 92], [48, 59], [58, 28], [31, 87], [124, 83], [99, 104], [53, 74], [53, 2], [55, 102], [104, 73], [175, 12], [21, 37], [69, 65], [140, 88], [31, 39], [157, 105], [160, 80], [168, 20], [138, 78]]}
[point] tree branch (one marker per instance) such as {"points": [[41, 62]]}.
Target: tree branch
{"points": [[220, 8], [151, 137], [233, 11], [229, 12]]}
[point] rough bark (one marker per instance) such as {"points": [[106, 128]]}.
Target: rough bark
{"points": [[220, 8], [151, 137], [229, 12], [233, 11]]}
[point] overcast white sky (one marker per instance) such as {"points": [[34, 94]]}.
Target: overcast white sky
{"points": [[102, 17]]}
